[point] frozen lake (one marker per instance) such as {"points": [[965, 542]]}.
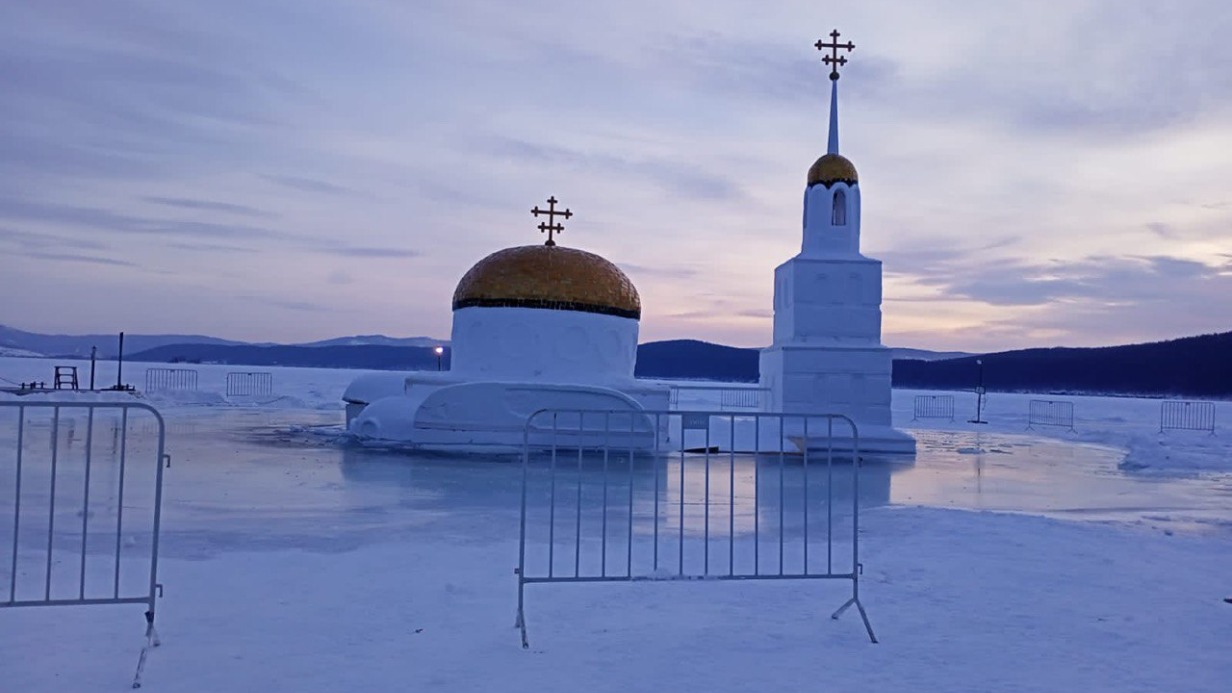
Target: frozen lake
{"points": [[284, 472]]}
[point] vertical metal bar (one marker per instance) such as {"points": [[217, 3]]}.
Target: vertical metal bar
{"points": [[158, 510], [655, 463], [120, 497], [757, 494], [830, 495], [21, 431], [680, 556], [629, 536], [51, 517], [577, 530], [552, 501], [782, 495], [706, 505], [607, 444], [85, 512], [522, 515], [804, 475], [855, 516], [731, 501]]}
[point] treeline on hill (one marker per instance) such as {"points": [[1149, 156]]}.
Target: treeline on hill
{"points": [[367, 356], [691, 359], [1192, 366]]}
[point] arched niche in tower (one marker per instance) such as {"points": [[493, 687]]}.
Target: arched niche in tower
{"points": [[838, 214]]}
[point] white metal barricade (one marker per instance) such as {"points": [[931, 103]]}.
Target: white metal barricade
{"points": [[84, 510], [1181, 415], [933, 407], [1048, 412], [170, 380], [250, 384], [620, 496], [751, 398]]}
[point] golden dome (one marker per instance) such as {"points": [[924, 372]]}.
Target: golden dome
{"points": [[551, 277], [831, 169]]}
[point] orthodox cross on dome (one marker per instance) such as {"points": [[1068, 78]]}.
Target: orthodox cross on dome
{"points": [[551, 226], [834, 60]]}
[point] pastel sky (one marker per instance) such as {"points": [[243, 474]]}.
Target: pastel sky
{"points": [[1033, 173]]}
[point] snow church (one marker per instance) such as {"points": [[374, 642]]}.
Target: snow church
{"points": [[534, 327], [548, 327]]}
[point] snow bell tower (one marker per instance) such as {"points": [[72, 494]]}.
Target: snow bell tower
{"points": [[827, 356]]}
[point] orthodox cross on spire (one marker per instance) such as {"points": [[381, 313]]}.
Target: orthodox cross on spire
{"points": [[551, 226], [834, 60]]}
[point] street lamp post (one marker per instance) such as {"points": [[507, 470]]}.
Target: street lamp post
{"points": [[979, 396], [440, 351]]}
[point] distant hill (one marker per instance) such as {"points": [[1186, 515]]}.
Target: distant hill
{"points": [[19, 353], [899, 354], [673, 359], [689, 358], [365, 356], [378, 340], [108, 344], [1191, 366]]}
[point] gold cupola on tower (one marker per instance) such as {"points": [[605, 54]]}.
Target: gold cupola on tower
{"points": [[831, 169]]}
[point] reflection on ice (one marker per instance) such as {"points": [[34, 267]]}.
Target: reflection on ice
{"points": [[255, 479], [1019, 473], [697, 513]]}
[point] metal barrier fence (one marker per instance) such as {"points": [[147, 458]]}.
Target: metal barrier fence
{"points": [[170, 379], [729, 397], [612, 497], [83, 516], [933, 407], [249, 384], [1188, 416], [1047, 412]]}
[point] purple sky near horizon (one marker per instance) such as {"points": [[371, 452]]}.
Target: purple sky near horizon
{"points": [[292, 170]]}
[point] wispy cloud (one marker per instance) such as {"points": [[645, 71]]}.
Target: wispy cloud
{"points": [[298, 306], [31, 240], [208, 206], [678, 177], [661, 272], [370, 252], [70, 257], [309, 185], [1162, 230], [111, 221]]}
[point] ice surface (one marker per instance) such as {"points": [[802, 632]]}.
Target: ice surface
{"points": [[294, 562]]}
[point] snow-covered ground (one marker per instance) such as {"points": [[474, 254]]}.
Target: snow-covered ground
{"points": [[293, 563]]}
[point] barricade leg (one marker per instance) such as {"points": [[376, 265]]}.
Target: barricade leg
{"points": [[151, 641], [863, 616], [520, 621]]}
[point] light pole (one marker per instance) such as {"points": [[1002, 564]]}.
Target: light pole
{"points": [[979, 395], [440, 351]]}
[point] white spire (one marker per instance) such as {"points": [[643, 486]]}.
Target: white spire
{"points": [[833, 147]]}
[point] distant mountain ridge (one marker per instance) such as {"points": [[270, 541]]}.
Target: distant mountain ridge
{"points": [[378, 340], [108, 344], [79, 345], [1198, 366], [363, 356]]}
